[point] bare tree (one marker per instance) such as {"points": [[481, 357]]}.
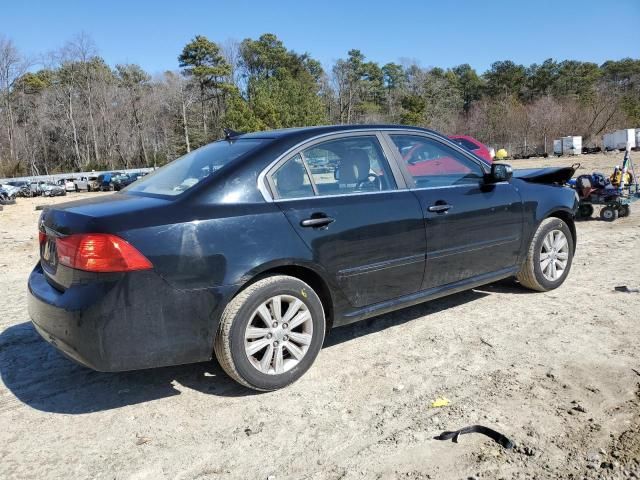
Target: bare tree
{"points": [[12, 67]]}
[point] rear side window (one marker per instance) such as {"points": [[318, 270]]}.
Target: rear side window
{"points": [[434, 164], [291, 179], [190, 169], [349, 165], [354, 164]]}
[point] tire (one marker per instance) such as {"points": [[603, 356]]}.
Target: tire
{"points": [[624, 211], [609, 214], [230, 345], [585, 210], [531, 274]]}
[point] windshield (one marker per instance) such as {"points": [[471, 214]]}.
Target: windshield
{"points": [[190, 169]]}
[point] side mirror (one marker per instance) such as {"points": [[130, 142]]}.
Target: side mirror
{"points": [[500, 172]]}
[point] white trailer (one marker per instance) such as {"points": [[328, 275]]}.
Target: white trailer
{"points": [[624, 138], [607, 142], [557, 147], [572, 145]]}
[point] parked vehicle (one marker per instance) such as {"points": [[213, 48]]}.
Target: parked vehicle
{"points": [[81, 183], [7, 194], [24, 188], [104, 181], [124, 180], [36, 188], [92, 184], [11, 191], [474, 146], [238, 248], [68, 184], [50, 189]]}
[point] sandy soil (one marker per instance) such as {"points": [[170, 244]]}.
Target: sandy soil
{"points": [[557, 372]]}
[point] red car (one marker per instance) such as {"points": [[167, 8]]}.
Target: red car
{"points": [[474, 146], [426, 160]]}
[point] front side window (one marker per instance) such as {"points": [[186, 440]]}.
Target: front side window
{"points": [[434, 164], [463, 142], [190, 169]]}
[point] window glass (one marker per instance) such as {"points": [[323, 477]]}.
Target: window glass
{"points": [[463, 142], [186, 171], [434, 164], [291, 179], [349, 165]]}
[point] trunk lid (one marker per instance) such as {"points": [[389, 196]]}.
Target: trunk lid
{"points": [[104, 214]]}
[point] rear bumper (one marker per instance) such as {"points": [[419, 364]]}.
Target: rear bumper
{"points": [[132, 321]]}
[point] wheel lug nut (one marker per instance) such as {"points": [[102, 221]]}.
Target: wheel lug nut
{"points": [[286, 337], [275, 344], [286, 325], [269, 335], [275, 324]]}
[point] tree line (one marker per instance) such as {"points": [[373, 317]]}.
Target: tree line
{"points": [[77, 113]]}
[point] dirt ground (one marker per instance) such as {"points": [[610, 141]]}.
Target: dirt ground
{"points": [[558, 373]]}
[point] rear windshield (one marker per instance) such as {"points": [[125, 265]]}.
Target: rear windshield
{"points": [[185, 172], [463, 142]]}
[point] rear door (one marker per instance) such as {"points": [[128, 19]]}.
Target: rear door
{"points": [[350, 206], [472, 228]]}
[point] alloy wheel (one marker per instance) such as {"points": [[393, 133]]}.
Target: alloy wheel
{"points": [[554, 255], [278, 334]]}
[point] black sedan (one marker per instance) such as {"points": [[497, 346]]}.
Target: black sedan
{"points": [[253, 247]]}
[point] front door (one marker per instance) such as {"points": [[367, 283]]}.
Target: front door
{"points": [[342, 198], [472, 228]]}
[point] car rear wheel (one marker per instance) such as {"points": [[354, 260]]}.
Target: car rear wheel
{"points": [[549, 256], [270, 333]]}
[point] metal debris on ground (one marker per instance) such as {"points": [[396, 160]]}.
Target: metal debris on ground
{"points": [[489, 432], [625, 289]]}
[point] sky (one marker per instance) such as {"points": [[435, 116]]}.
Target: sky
{"points": [[441, 33]]}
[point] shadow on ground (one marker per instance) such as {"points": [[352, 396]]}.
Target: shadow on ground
{"points": [[40, 377]]}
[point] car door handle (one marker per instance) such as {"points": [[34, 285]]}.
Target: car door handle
{"points": [[317, 222], [440, 207]]}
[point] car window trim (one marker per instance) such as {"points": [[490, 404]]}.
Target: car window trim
{"points": [[387, 133], [265, 179]]}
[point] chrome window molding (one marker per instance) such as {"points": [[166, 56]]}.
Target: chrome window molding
{"points": [[265, 190], [404, 183]]}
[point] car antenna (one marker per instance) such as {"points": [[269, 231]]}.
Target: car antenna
{"points": [[230, 134]]}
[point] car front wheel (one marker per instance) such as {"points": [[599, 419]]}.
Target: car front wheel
{"points": [[270, 333], [549, 256]]}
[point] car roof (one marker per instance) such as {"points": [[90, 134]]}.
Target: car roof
{"points": [[284, 133]]}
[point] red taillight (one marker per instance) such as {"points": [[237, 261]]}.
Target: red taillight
{"points": [[100, 252], [42, 237]]}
